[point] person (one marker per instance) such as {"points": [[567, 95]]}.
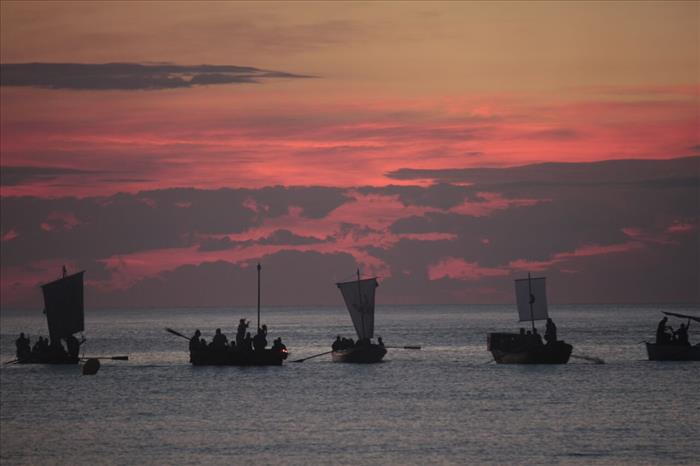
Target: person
{"points": [[337, 344], [73, 346], [247, 342], [56, 350], [537, 338], [380, 342], [550, 333], [194, 341], [23, 346], [219, 341], [260, 342], [682, 335], [661, 336], [240, 333]]}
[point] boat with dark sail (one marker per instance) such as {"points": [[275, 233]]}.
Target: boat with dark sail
{"points": [[673, 346], [244, 351], [359, 300], [64, 310], [527, 347]]}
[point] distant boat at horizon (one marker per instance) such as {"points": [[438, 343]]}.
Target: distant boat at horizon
{"points": [[527, 347], [359, 300]]}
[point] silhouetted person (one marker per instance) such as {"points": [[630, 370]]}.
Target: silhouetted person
{"points": [[240, 333], [219, 342], [682, 335], [194, 341], [337, 344], [259, 341], [264, 330], [550, 332], [23, 345], [73, 345], [247, 342], [380, 342], [661, 336]]}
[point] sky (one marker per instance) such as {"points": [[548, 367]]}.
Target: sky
{"points": [[444, 147]]}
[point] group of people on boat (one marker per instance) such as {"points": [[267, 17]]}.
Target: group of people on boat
{"points": [[533, 337], [47, 350], [665, 335], [347, 343], [244, 342]]}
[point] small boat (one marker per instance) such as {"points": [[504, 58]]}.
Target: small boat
{"points": [[528, 348], [675, 350], [359, 300], [234, 356], [64, 309]]}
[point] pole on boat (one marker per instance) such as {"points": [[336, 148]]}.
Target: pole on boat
{"points": [[259, 267], [532, 300]]}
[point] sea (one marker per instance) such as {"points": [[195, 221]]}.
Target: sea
{"points": [[446, 403]]}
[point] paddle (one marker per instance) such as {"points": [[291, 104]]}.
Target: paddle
{"points": [[588, 358], [177, 333], [114, 358], [403, 347], [11, 362], [315, 355]]}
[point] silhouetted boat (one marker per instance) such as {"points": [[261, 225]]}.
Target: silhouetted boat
{"points": [[675, 350], [235, 356], [64, 309], [528, 348], [359, 300]]}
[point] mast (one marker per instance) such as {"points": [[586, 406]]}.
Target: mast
{"points": [[359, 293], [259, 267], [532, 300]]}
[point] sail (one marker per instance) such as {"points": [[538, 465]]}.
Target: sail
{"points": [[533, 290], [359, 299], [63, 305]]}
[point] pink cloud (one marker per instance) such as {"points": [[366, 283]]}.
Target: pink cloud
{"points": [[459, 269]]}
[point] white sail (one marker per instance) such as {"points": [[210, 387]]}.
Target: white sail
{"points": [[359, 299], [531, 291]]}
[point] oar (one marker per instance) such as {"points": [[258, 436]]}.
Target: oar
{"points": [[11, 362], [588, 358], [115, 358], [315, 355], [403, 347], [176, 333]]}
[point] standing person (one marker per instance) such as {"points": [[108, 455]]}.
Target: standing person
{"points": [[682, 335], [661, 336], [24, 348], [259, 341], [550, 333], [240, 333], [73, 346], [220, 341]]}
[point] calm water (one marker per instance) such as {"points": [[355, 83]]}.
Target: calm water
{"points": [[443, 404]]}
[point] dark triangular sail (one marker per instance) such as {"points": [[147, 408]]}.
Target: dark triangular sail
{"points": [[359, 299], [63, 305]]}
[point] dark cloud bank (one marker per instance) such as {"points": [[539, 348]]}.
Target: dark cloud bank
{"points": [[130, 76], [652, 205]]}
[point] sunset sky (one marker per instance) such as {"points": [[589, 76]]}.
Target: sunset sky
{"points": [[448, 148]]}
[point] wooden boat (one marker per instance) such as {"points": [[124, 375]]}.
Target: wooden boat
{"points": [[675, 350], [528, 348], [235, 356], [64, 309], [359, 300], [211, 357]]}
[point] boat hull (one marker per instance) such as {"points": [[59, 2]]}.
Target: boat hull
{"points": [[673, 352], [513, 348], [367, 354], [266, 357], [48, 360]]}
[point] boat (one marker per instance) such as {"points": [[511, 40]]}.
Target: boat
{"points": [[527, 347], [672, 350], [233, 355], [64, 310], [359, 300]]}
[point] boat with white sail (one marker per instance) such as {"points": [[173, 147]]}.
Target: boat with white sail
{"points": [[528, 347], [359, 299]]}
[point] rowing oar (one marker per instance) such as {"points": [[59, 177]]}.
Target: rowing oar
{"points": [[588, 358], [177, 333], [403, 347], [114, 358], [315, 355], [11, 362]]}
